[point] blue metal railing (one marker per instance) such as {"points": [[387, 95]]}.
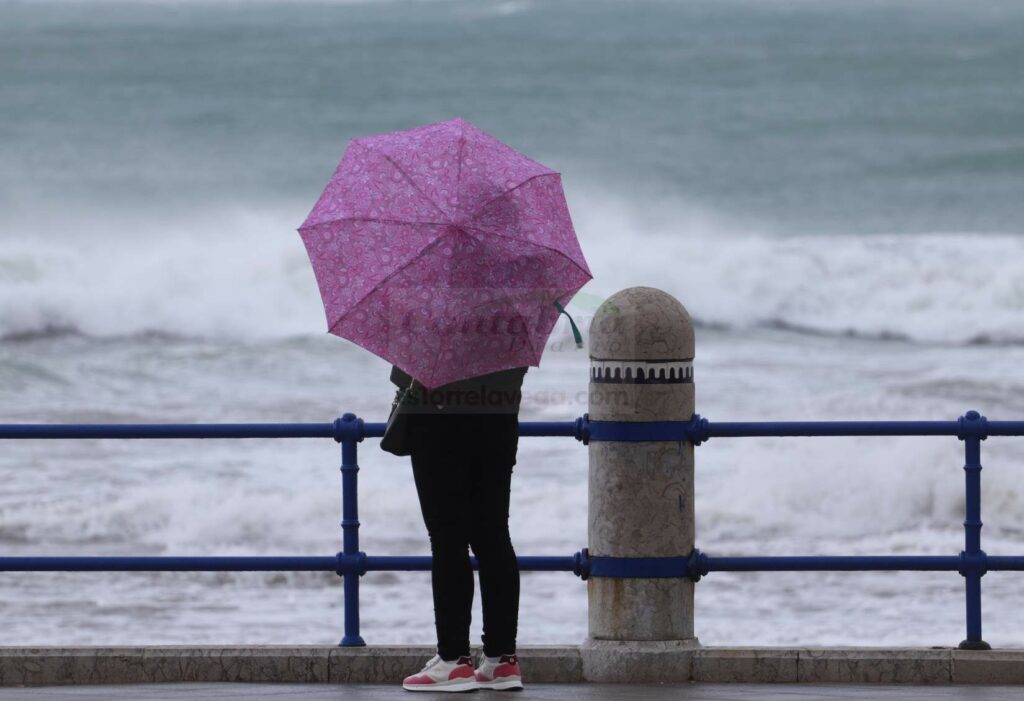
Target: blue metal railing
{"points": [[972, 563]]}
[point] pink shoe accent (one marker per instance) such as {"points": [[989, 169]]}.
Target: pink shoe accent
{"points": [[463, 670], [460, 676], [503, 670], [505, 676]]}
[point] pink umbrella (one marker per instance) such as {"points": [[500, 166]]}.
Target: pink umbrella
{"points": [[444, 251]]}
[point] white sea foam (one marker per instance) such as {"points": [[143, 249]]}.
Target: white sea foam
{"points": [[943, 287], [754, 496], [246, 275], [235, 291], [229, 273]]}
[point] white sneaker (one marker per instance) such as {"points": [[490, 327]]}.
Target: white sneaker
{"points": [[501, 673], [439, 675]]}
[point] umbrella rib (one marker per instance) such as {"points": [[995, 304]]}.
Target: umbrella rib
{"points": [[529, 339], [506, 192], [481, 230], [526, 324], [468, 312], [437, 360], [383, 280], [458, 177], [380, 221], [414, 187]]}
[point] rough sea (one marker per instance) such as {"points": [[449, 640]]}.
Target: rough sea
{"points": [[834, 189]]}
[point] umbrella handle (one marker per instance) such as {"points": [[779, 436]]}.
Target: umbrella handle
{"points": [[575, 331]]}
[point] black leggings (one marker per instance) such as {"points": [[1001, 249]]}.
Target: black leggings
{"points": [[463, 473]]}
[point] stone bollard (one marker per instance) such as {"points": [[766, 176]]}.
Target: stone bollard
{"points": [[640, 491]]}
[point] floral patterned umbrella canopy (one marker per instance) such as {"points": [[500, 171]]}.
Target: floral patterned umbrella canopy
{"points": [[444, 251]]}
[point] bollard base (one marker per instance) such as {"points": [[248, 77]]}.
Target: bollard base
{"points": [[974, 645], [638, 661]]}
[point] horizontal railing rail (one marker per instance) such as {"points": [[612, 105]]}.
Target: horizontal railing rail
{"points": [[340, 563], [339, 430], [972, 562]]}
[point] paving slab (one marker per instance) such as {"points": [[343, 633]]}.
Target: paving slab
{"points": [[882, 665], [988, 667], [759, 665], [598, 661]]}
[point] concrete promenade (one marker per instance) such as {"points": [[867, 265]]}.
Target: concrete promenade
{"points": [[547, 692], [385, 664]]}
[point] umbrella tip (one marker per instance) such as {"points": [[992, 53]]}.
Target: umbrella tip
{"points": [[460, 122]]}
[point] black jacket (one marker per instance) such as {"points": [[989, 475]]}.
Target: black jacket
{"points": [[494, 393], [478, 416]]}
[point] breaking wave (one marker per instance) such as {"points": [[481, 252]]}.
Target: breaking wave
{"points": [[245, 274]]}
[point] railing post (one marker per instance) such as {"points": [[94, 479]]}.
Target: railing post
{"points": [[972, 433], [350, 530], [640, 504]]}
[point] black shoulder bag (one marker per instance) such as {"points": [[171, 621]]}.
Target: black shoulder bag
{"points": [[396, 435]]}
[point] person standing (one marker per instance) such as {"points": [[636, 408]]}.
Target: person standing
{"points": [[463, 439], [443, 237]]}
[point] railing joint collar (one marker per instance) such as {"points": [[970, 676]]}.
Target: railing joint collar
{"points": [[698, 430], [973, 563], [581, 564], [355, 561], [972, 425], [697, 566], [582, 432], [348, 427]]}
